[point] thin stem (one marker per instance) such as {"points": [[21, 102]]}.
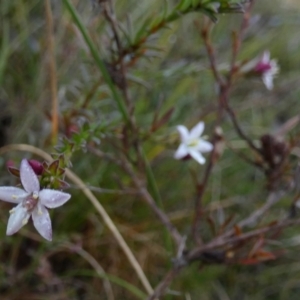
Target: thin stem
{"points": [[165, 282], [52, 70], [238, 38], [220, 242], [240, 131], [237, 41], [198, 200], [211, 52]]}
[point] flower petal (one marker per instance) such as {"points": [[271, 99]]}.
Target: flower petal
{"points": [[184, 133], [197, 156], [274, 67], [53, 198], [197, 130], [204, 146], [268, 80], [29, 180], [18, 218], [265, 57], [42, 222], [12, 194], [181, 152]]}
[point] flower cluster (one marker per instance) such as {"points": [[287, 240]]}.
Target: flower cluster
{"points": [[32, 202]]}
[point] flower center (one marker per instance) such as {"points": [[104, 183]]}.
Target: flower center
{"points": [[31, 201], [262, 67], [193, 143]]}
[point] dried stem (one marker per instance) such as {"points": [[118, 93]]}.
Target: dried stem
{"points": [[210, 51], [238, 38], [220, 242], [272, 199], [237, 41], [196, 253], [165, 282]]}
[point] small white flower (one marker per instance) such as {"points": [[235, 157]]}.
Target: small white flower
{"points": [[262, 66], [31, 202], [192, 144], [268, 68]]}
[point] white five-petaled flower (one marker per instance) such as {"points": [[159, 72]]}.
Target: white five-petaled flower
{"points": [[31, 202], [192, 144], [268, 68]]}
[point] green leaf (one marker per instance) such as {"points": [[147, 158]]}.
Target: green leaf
{"points": [[142, 30], [195, 3], [184, 5]]}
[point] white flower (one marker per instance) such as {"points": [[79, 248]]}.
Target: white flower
{"points": [[192, 144], [31, 202], [268, 68]]}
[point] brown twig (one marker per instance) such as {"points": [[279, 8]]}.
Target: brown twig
{"points": [[238, 38], [196, 253], [210, 51], [165, 282], [239, 130], [272, 199], [220, 242], [150, 201]]}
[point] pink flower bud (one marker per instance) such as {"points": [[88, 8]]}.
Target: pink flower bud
{"points": [[71, 129], [10, 163], [262, 67], [36, 166]]}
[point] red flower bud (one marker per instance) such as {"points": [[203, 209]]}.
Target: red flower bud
{"points": [[36, 166]]}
